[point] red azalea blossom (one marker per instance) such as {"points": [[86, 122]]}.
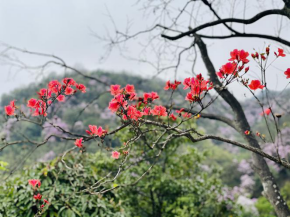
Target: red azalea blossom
{"points": [[220, 74], [61, 98], [172, 86], [256, 84], [287, 73], [229, 68], [54, 86], [42, 206], [94, 130], [247, 132], [132, 113], [247, 69], [280, 53], [9, 110], [186, 115], [239, 56], [45, 201], [114, 105], [32, 102], [34, 183], [115, 89], [267, 50], [130, 88], [44, 93], [180, 111], [146, 111], [267, 112], [69, 82], [152, 96], [115, 154], [159, 111], [37, 197], [79, 142], [81, 87], [173, 117], [69, 90], [197, 86]]}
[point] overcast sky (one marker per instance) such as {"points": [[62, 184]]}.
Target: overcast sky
{"points": [[64, 28]]}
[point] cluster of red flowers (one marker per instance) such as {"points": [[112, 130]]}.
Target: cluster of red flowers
{"points": [[233, 68], [240, 56], [35, 183], [10, 109], [197, 86], [122, 96], [55, 90], [94, 131], [172, 86]]}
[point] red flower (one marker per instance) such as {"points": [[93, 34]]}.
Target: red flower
{"points": [[34, 182], [61, 98], [267, 112], [239, 56], [37, 197], [54, 86], [172, 117], [287, 73], [220, 74], [191, 97], [267, 50], [130, 89], [188, 82], [263, 57], [79, 142], [115, 154], [152, 96], [32, 102], [247, 132], [146, 111], [45, 201], [180, 111], [186, 115], [44, 93], [256, 84], [9, 110], [115, 89], [69, 90], [114, 105], [133, 113], [81, 87], [172, 86], [69, 82], [229, 68], [280, 53], [247, 69], [159, 111], [94, 130]]}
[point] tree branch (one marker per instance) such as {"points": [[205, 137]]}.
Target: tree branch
{"points": [[247, 147], [211, 116], [229, 20]]}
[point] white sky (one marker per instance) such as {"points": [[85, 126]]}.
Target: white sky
{"points": [[64, 28]]}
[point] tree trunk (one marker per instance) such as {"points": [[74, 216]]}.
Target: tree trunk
{"points": [[271, 190]]}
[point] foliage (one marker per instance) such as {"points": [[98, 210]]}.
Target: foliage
{"points": [[3, 165], [178, 185], [62, 187], [264, 207]]}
